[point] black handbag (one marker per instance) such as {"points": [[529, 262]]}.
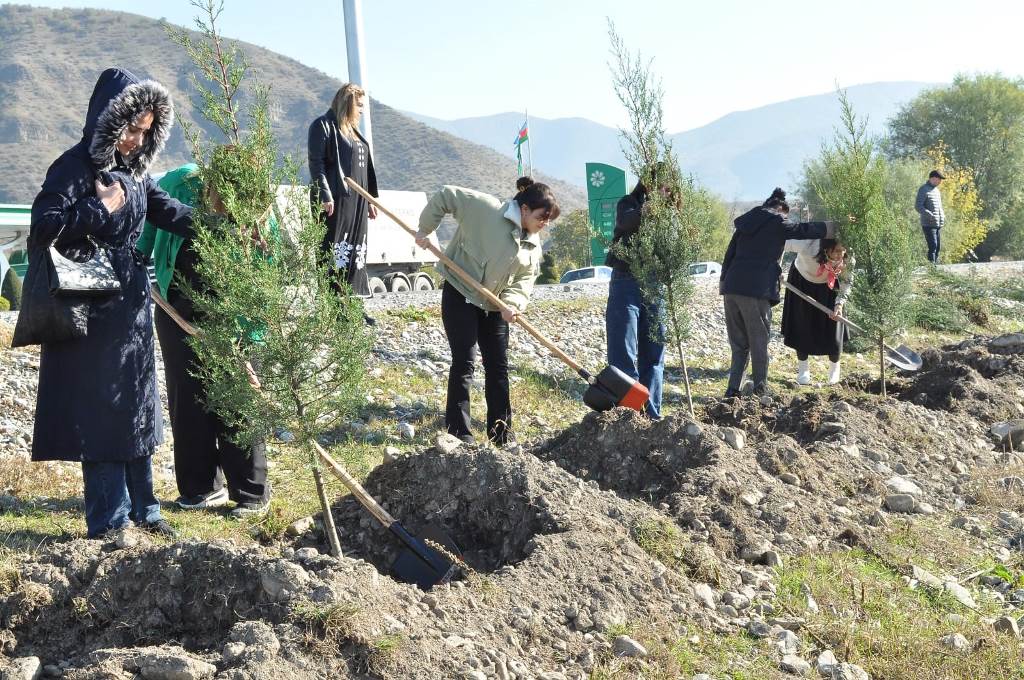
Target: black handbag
{"points": [[57, 292]]}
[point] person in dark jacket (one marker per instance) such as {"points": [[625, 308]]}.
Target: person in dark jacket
{"points": [[928, 205], [97, 400], [750, 284], [203, 447], [337, 150], [629, 317]]}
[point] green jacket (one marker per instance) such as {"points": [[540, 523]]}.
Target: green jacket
{"points": [[183, 184], [489, 245]]}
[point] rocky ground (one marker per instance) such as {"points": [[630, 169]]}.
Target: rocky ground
{"points": [[587, 554]]}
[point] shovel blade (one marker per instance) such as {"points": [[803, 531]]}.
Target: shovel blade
{"points": [[613, 388], [904, 358], [424, 565]]}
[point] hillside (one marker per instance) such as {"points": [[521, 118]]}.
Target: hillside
{"points": [[739, 156], [49, 61]]}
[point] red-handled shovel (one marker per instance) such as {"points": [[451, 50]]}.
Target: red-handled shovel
{"points": [[608, 389]]}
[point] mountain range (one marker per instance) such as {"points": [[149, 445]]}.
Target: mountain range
{"points": [[740, 156], [50, 59]]}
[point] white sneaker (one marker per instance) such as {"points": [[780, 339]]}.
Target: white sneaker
{"points": [[834, 373], [803, 373], [214, 499]]}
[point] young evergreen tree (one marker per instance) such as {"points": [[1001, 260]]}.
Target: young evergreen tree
{"points": [[853, 192], [266, 297], [675, 225]]}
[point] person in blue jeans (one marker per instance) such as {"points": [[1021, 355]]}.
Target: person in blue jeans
{"points": [[636, 337], [98, 401]]}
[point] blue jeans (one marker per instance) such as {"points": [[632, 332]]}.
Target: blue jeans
{"points": [[631, 349], [116, 492]]}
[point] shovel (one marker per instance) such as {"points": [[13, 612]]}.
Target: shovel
{"points": [[901, 357], [608, 389], [419, 562]]}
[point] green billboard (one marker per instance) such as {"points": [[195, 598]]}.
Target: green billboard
{"points": [[606, 184]]}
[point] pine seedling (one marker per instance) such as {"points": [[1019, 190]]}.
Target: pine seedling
{"points": [[853, 194]]}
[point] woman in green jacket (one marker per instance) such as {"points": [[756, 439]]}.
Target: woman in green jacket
{"points": [[202, 441], [498, 245]]}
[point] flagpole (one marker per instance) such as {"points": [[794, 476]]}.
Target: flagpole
{"points": [[529, 141]]}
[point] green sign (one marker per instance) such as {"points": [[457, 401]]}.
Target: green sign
{"points": [[606, 184]]}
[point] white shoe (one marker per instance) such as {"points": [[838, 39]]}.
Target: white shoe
{"points": [[834, 373], [803, 373]]}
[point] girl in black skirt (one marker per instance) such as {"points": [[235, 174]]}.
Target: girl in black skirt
{"points": [[822, 271]]}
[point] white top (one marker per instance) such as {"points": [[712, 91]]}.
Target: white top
{"points": [[807, 264]]}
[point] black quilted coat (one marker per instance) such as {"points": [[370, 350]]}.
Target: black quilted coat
{"points": [[97, 398]]}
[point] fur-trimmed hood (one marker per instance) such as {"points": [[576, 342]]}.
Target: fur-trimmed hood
{"points": [[117, 100]]}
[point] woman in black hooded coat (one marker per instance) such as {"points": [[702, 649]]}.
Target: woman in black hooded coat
{"points": [[97, 400]]}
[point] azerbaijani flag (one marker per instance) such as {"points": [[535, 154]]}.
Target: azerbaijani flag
{"points": [[523, 135]]}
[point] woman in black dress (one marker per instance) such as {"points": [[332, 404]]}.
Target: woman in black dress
{"points": [[822, 270], [337, 150]]}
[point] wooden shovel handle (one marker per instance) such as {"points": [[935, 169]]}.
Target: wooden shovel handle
{"points": [[472, 283], [839, 317], [365, 499]]}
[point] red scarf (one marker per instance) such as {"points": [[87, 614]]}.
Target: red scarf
{"points": [[833, 271]]}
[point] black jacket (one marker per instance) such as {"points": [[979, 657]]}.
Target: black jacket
{"points": [[627, 222], [330, 159], [97, 397], [751, 265]]}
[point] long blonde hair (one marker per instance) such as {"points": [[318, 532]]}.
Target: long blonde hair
{"points": [[344, 107]]}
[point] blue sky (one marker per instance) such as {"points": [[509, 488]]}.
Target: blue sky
{"points": [[459, 58]]}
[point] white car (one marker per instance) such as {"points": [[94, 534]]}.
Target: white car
{"points": [[705, 270], [600, 274]]}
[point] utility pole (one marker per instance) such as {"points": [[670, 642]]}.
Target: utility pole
{"points": [[357, 59]]}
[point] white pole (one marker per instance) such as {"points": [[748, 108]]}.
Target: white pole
{"points": [[357, 59], [529, 141]]}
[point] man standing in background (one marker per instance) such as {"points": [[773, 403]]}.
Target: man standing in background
{"points": [[929, 207]]}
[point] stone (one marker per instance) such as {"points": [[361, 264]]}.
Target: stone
{"points": [[734, 437], [900, 502], [1007, 625], [789, 478], [306, 554], [825, 662], [232, 651], [903, 485], [300, 526], [849, 671], [623, 645], [21, 668], [391, 454], [1010, 343], [925, 577], [831, 427], [956, 642], [924, 509], [751, 498], [960, 593], [758, 629], [1009, 431], [737, 600], [281, 579], [446, 442], [787, 642], [172, 663], [704, 594], [794, 665], [406, 431], [771, 558]]}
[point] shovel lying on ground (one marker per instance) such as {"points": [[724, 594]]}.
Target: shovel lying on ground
{"points": [[420, 562], [608, 389], [901, 357]]}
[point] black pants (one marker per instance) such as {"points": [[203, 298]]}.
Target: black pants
{"points": [[201, 443], [466, 326], [933, 236], [748, 323], [834, 358]]}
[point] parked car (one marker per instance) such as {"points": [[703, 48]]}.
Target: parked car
{"points": [[705, 270], [600, 274]]}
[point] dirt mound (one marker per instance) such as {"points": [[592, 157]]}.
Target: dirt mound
{"points": [[982, 377]]}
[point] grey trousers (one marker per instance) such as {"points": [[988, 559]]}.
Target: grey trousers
{"points": [[748, 322]]}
